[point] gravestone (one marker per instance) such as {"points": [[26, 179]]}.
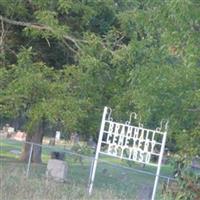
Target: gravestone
{"points": [[74, 138], [16, 152], [57, 170], [57, 155], [19, 135], [196, 163], [57, 137], [8, 130], [52, 141], [91, 143]]}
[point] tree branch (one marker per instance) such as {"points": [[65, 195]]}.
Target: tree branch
{"points": [[194, 110], [68, 46], [2, 34], [39, 27]]}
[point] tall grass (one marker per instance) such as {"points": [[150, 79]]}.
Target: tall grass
{"points": [[15, 186], [111, 182]]}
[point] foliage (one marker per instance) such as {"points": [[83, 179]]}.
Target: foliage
{"points": [[187, 182], [82, 149], [79, 56], [38, 93]]}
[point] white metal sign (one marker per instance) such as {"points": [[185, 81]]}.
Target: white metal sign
{"points": [[134, 143]]}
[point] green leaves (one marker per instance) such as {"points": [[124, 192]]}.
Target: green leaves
{"points": [[12, 7], [140, 56], [64, 6], [40, 93], [49, 26], [24, 58], [133, 56]]}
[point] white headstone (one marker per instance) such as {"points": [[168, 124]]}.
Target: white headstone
{"points": [[57, 135], [11, 130]]}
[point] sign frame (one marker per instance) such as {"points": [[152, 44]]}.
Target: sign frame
{"points": [[119, 140]]}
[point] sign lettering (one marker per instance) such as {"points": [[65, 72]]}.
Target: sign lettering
{"points": [[131, 142]]}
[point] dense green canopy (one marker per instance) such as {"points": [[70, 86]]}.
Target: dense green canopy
{"points": [[62, 61]]}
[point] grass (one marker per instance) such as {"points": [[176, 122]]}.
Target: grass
{"points": [[111, 182], [16, 186]]}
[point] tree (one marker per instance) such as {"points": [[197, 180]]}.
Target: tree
{"points": [[136, 55], [162, 77], [40, 96]]}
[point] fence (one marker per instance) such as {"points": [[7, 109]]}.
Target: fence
{"points": [[125, 179]]}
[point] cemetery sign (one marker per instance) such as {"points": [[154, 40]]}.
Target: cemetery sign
{"points": [[134, 143]]}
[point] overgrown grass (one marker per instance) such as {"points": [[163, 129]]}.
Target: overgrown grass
{"points": [[111, 182], [15, 186]]}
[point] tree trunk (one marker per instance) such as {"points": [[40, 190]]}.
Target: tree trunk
{"points": [[37, 150]]}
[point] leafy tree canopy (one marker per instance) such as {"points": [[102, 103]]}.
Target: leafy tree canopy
{"points": [[62, 61]]}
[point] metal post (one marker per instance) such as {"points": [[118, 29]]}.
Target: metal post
{"points": [[159, 166], [29, 160], [167, 183], [90, 175], [97, 151]]}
